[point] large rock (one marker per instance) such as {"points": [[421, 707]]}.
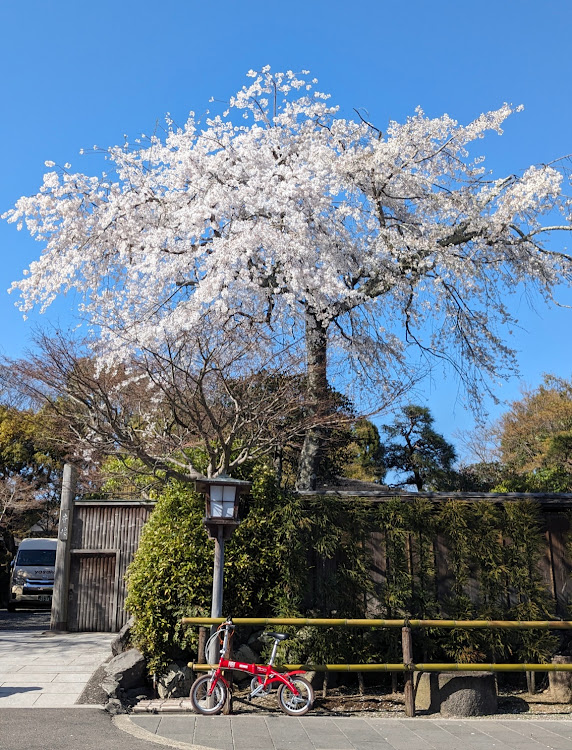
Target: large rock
{"points": [[456, 694], [245, 654], [115, 707], [561, 682], [121, 641], [124, 672], [176, 683]]}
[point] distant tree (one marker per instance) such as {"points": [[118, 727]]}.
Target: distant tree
{"points": [[363, 453], [30, 471], [419, 453], [536, 439], [208, 404], [536, 429], [479, 477]]}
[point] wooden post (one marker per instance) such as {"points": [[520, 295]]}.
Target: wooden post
{"points": [[531, 682], [409, 692], [201, 656], [59, 615]]}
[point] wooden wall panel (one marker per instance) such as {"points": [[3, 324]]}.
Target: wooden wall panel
{"points": [[375, 545], [558, 529], [93, 584], [105, 536]]}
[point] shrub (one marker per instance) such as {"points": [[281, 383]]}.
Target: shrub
{"points": [[312, 557], [170, 576]]}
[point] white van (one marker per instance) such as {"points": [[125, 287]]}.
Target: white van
{"points": [[32, 575]]}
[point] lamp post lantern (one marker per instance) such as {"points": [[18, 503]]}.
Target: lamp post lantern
{"points": [[222, 494]]}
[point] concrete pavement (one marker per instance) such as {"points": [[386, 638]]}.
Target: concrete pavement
{"points": [[252, 732], [76, 728], [81, 728], [42, 669]]}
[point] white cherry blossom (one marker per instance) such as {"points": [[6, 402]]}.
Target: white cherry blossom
{"points": [[362, 244]]}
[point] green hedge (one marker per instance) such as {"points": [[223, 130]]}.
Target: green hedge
{"points": [[313, 557]]}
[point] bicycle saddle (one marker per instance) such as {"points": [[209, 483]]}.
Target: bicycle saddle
{"points": [[277, 636]]}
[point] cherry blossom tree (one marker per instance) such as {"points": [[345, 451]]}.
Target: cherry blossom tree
{"points": [[373, 252]]}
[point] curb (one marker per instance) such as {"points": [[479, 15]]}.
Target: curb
{"points": [[163, 706], [125, 724]]}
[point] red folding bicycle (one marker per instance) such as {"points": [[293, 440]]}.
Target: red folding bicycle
{"points": [[209, 692]]}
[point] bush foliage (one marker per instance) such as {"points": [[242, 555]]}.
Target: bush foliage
{"points": [[315, 556]]}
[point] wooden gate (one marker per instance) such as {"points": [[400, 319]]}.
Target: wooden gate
{"points": [[93, 590], [101, 541]]}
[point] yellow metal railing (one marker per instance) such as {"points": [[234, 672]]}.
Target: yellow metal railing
{"points": [[407, 667], [372, 623], [433, 667]]}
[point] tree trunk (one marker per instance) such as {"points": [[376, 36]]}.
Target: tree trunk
{"points": [[278, 462], [317, 399]]}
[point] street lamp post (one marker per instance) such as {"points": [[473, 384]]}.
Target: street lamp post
{"points": [[221, 519]]}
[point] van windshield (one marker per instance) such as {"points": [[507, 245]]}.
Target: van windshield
{"points": [[36, 557]]}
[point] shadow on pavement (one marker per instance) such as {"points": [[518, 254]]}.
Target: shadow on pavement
{"points": [[25, 619], [12, 690]]}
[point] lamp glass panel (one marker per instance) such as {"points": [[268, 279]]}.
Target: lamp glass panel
{"points": [[216, 504], [229, 493]]}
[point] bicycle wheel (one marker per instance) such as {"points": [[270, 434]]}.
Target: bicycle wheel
{"points": [[292, 704], [202, 702]]}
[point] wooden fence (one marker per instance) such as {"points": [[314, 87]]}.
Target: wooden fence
{"points": [[98, 539]]}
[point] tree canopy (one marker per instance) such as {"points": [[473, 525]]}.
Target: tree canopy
{"points": [[536, 439], [305, 230], [30, 471], [422, 456]]}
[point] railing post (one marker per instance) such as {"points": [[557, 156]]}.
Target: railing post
{"points": [[202, 657], [407, 648]]}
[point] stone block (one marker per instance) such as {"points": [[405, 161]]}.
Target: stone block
{"points": [[561, 682], [245, 654], [176, 683], [124, 672], [456, 693], [426, 691], [121, 641]]}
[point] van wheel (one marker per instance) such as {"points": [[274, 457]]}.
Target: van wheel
{"points": [[11, 607]]}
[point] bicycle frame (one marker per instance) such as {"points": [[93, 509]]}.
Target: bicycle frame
{"points": [[258, 670]]}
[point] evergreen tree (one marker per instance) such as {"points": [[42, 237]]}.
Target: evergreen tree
{"points": [[418, 453]]}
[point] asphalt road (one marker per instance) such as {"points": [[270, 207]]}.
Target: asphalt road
{"points": [[64, 729], [25, 619]]}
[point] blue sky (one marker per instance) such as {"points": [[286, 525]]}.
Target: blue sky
{"points": [[79, 74]]}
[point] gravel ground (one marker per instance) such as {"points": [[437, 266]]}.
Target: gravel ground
{"points": [[343, 702], [93, 694]]}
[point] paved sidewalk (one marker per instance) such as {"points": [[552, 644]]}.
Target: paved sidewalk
{"points": [[46, 669], [331, 733], [42, 669]]}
